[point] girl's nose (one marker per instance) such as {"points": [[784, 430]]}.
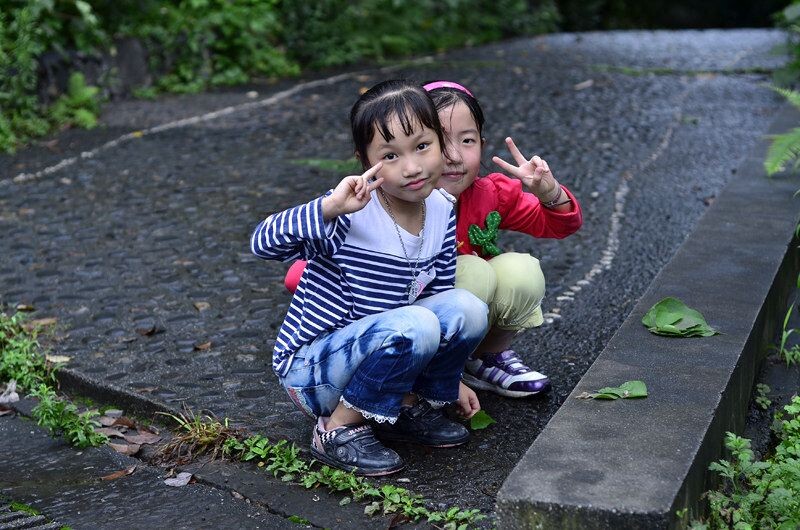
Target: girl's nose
{"points": [[412, 169]]}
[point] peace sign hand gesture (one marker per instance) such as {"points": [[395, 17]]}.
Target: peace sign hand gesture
{"points": [[535, 174], [351, 194]]}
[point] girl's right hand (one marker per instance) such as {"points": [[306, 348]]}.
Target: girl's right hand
{"points": [[351, 194]]}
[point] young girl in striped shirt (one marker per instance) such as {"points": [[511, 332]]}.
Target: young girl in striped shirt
{"points": [[376, 336]]}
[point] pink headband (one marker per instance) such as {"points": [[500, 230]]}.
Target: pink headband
{"points": [[446, 84]]}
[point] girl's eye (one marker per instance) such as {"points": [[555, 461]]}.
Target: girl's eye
{"points": [[422, 146], [389, 156], [468, 141]]}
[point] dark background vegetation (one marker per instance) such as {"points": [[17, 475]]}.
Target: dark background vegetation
{"points": [[193, 45]]}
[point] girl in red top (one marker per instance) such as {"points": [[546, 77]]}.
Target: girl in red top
{"points": [[526, 199]]}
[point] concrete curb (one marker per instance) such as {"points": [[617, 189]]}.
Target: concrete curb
{"points": [[633, 464]]}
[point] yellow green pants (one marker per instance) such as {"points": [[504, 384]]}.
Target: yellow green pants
{"points": [[511, 284]]}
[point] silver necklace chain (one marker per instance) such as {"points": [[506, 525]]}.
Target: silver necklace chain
{"points": [[403, 245]]}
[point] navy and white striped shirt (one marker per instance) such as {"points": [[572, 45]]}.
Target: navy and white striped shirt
{"points": [[356, 266]]}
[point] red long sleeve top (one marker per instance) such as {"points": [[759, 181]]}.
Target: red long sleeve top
{"points": [[519, 211]]}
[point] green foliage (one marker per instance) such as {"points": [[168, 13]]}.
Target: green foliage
{"points": [[756, 494], [79, 106], [785, 147], [335, 32], [20, 118], [762, 400], [19, 507], [62, 417], [20, 359], [790, 354], [283, 460], [673, 318], [480, 420], [627, 390], [194, 44]]}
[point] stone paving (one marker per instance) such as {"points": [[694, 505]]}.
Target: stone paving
{"points": [[140, 250]]}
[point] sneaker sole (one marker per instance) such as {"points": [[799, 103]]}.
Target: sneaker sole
{"points": [[480, 384], [392, 437], [360, 471]]}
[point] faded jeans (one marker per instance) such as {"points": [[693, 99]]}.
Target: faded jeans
{"points": [[373, 362]]}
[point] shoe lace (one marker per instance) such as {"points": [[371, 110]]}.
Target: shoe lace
{"points": [[512, 358]]}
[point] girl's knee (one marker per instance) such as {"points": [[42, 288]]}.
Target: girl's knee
{"points": [[519, 274], [476, 276], [419, 325]]}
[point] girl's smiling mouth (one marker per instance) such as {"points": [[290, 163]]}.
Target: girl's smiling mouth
{"points": [[417, 184], [453, 175]]}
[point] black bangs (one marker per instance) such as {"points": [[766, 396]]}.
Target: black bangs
{"points": [[376, 108], [447, 97]]}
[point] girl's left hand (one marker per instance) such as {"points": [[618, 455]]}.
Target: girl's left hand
{"points": [[535, 174], [468, 403]]}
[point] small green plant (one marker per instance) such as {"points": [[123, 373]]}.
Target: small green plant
{"points": [[19, 507], [79, 106], [759, 494], [283, 460], [761, 396], [785, 148], [20, 359], [791, 354], [62, 417], [197, 435]]}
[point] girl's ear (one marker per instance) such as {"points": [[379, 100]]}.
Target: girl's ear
{"points": [[483, 141]]}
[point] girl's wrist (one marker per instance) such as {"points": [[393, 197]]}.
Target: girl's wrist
{"points": [[553, 197]]}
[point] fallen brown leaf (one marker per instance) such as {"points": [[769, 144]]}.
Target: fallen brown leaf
{"points": [[202, 346], [25, 307], [55, 359], [119, 474], [202, 306], [106, 421], [122, 420], [181, 480], [125, 449], [142, 438], [5, 410], [39, 323], [108, 431]]}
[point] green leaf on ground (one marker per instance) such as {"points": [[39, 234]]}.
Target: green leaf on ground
{"points": [[672, 318], [480, 420], [627, 390]]}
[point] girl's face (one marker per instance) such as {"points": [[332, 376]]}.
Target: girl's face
{"points": [[464, 144], [412, 163]]}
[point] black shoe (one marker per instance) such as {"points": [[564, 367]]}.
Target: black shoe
{"points": [[354, 448], [424, 425]]}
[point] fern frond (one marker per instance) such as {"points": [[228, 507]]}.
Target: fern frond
{"points": [[784, 148], [793, 96]]}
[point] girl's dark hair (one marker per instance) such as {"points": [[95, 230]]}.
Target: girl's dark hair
{"points": [[446, 97], [378, 105]]}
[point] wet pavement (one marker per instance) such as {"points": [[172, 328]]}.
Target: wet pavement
{"points": [[140, 248]]}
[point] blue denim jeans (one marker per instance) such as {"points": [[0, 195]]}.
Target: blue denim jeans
{"points": [[373, 362]]}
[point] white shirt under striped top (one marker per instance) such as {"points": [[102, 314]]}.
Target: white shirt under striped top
{"points": [[356, 266]]}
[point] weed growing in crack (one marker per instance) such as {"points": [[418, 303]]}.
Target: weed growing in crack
{"points": [[62, 417], [21, 360], [197, 435], [762, 400], [759, 494], [282, 459]]}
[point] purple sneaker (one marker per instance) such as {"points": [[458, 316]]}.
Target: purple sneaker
{"points": [[504, 373]]}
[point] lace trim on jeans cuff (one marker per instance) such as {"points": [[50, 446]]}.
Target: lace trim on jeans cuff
{"points": [[368, 415]]}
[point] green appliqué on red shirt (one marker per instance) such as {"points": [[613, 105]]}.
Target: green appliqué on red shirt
{"points": [[486, 238]]}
